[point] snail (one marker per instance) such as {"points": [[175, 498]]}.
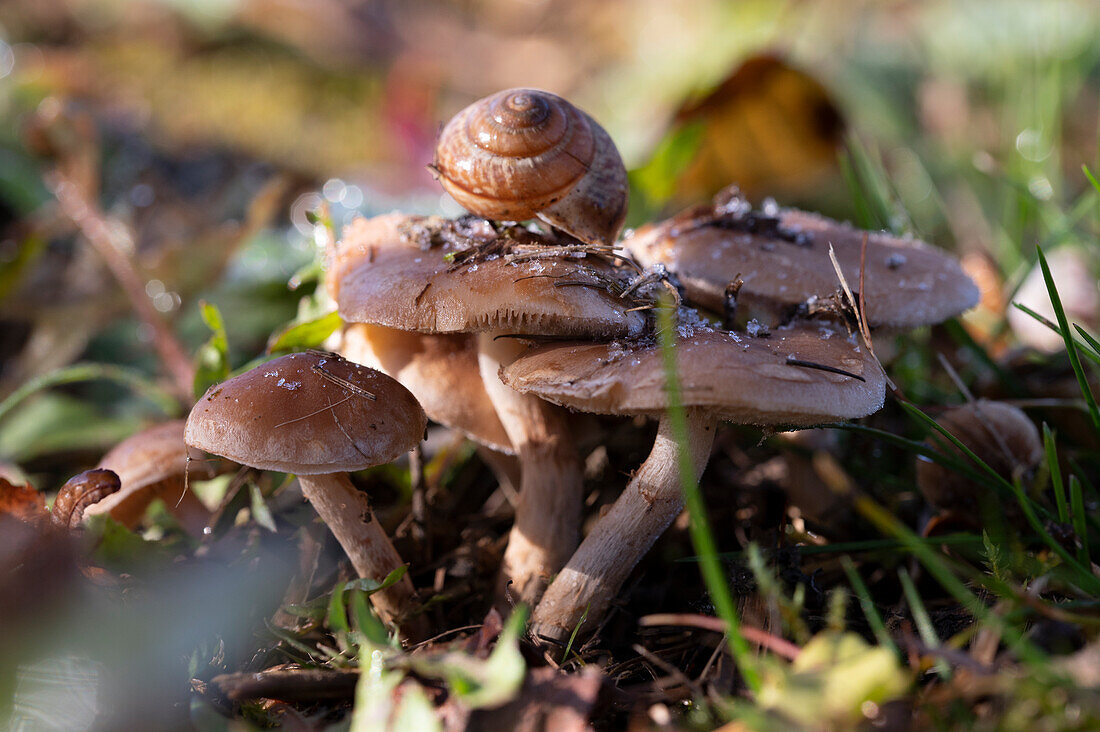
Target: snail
{"points": [[522, 153], [78, 493]]}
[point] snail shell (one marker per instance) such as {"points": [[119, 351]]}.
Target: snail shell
{"points": [[79, 492], [522, 153]]}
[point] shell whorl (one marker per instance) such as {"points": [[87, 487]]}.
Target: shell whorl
{"points": [[522, 153]]}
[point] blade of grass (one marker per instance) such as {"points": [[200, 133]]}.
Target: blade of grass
{"points": [[1086, 580], [920, 448], [1071, 344], [922, 620], [1055, 475], [941, 571], [701, 536], [576, 629], [915, 411], [1091, 177], [853, 547], [1080, 527], [136, 381], [867, 604], [1093, 343]]}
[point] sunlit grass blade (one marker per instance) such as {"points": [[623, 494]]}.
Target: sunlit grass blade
{"points": [[1055, 475], [922, 620], [995, 483], [1071, 344], [938, 567], [1091, 177], [576, 629], [1080, 526], [1093, 355], [701, 536], [867, 604], [130, 378], [1093, 343], [1085, 579]]}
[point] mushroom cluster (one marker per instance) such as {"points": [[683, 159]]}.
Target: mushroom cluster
{"points": [[557, 319]]}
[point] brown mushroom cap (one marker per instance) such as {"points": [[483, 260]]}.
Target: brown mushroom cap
{"points": [[147, 459], [382, 274], [907, 283], [742, 379], [1000, 434], [307, 413], [157, 454], [440, 370]]}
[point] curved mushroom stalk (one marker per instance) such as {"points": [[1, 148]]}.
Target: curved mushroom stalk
{"points": [[348, 514], [648, 505], [798, 376], [551, 496]]}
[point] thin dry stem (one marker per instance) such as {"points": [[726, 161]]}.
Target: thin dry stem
{"points": [[607, 556], [112, 242]]}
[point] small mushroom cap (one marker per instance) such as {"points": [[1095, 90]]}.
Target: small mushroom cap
{"points": [[742, 379], [148, 458], [440, 370], [307, 413], [156, 454], [1000, 434], [380, 274], [907, 283]]}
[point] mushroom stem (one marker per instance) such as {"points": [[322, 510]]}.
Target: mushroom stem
{"points": [[648, 505], [551, 495], [348, 514]]}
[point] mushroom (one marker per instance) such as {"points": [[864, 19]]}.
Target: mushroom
{"points": [[1000, 434], [443, 374], [155, 463], [431, 275], [441, 371], [798, 376], [319, 416], [782, 257]]}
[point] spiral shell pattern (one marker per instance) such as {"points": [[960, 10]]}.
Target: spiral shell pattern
{"points": [[522, 153], [79, 492]]}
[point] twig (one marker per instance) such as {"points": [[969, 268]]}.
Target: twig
{"points": [[112, 241], [773, 643]]}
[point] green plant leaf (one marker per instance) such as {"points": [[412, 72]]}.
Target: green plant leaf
{"points": [[374, 694], [477, 683], [212, 359], [832, 679], [414, 711], [258, 506], [1071, 344], [367, 624], [310, 334]]}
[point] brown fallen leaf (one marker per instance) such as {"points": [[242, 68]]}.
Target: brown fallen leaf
{"points": [[22, 501]]}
